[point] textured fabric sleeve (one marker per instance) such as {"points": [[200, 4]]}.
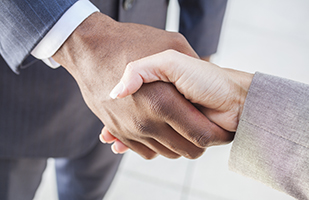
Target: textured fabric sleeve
{"points": [[272, 140], [201, 22], [24, 23]]}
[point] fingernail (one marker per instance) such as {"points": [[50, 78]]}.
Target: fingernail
{"points": [[114, 149], [102, 139], [117, 90]]}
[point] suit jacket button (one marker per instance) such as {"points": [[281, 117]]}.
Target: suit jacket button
{"points": [[128, 4]]}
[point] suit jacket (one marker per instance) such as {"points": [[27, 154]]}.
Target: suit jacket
{"points": [[272, 139], [42, 112]]}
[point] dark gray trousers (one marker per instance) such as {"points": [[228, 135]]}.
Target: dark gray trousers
{"points": [[83, 178]]}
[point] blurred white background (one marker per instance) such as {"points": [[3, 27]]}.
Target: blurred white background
{"points": [[270, 36]]}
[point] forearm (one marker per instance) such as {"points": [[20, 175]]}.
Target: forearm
{"points": [[271, 142]]}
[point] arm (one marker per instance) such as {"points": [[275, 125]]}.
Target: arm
{"points": [[271, 141], [24, 24], [83, 43], [96, 55]]}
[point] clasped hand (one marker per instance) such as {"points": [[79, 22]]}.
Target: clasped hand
{"points": [[156, 119], [218, 93]]}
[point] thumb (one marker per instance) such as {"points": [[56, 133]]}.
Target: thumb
{"points": [[145, 70], [130, 82]]}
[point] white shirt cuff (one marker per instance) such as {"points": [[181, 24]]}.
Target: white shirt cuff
{"points": [[64, 27]]}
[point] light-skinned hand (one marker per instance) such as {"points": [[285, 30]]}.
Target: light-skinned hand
{"points": [[219, 93]]}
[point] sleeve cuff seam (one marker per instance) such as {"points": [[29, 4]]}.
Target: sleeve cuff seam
{"points": [[271, 132]]}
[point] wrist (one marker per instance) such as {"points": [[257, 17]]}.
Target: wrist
{"points": [[245, 82], [89, 55], [241, 83], [81, 44]]}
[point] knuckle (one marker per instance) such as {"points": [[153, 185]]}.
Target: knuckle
{"points": [[160, 100], [144, 127], [178, 40], [157, 99], [130, 66], [149, 156], [173, 156], [178, 37], [194, 154], [158, 106], [171, 53], [204, 140]]}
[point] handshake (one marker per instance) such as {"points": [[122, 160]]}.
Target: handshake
{"points": [[168, 101], [218, 95]]}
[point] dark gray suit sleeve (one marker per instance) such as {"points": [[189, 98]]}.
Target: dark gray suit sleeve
{"points": [[23, 23], [272, 140], [200, 23]]}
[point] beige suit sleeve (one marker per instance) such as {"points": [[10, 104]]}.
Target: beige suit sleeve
{"points": [[272, 140]]}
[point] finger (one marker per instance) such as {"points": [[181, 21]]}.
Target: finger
{"points": [[168, 143], [197, 128], [221, 120], [158, 67], [188, 121], [133, 78], [129, 84], [161, 149], [173, 141], [106, 136], [119, 147], [140, 149]]}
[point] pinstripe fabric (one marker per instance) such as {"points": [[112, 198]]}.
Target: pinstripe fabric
{"points": [[43, 114], [42, 111], [23, 23]]}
